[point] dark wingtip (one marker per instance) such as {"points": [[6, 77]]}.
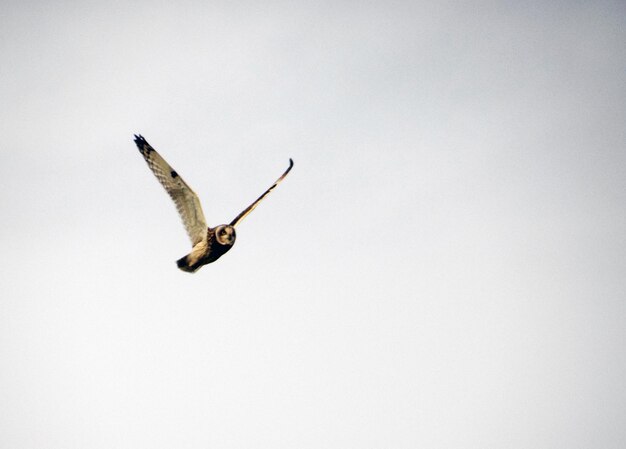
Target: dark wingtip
{"points": [[286, 171], [142, 144]]}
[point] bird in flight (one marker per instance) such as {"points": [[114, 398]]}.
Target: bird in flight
{"points": [[208, 244]]}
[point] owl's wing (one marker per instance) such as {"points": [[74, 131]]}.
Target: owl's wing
{"points": [[244, 213], [186, 200]]}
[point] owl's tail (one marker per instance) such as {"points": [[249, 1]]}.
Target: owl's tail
{"points": [[183, 264]]}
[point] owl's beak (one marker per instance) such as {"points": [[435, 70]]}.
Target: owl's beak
{"points": [[251, 207]]}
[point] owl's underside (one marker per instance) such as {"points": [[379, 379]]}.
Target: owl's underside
{"points": [[204, 252], [208, 244]]}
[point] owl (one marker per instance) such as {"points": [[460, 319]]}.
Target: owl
{"points": [[208, 244]]}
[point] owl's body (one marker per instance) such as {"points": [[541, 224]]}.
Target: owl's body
{"points": [[208, 244], [207, 250]]}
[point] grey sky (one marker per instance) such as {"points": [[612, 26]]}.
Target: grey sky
{"points": [[443, 268]]}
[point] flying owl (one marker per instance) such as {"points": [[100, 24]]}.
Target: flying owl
{"points": [[208, 244]]}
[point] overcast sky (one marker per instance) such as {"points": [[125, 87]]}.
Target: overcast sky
{"points": [[444, 267]]}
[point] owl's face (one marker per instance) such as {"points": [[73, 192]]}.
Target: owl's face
{"points": [[225, 235]]}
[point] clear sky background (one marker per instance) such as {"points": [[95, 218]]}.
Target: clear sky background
{"points": [[445, 266]]}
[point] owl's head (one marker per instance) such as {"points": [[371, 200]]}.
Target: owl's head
{"points": [[225, 235]]}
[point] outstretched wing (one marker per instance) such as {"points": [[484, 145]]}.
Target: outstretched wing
{"points": [[186, 200], [251, 207]]}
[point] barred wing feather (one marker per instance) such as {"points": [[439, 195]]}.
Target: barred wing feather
{"points": [[184, 197]]}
